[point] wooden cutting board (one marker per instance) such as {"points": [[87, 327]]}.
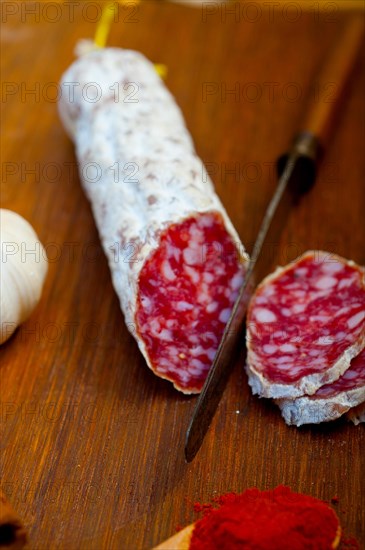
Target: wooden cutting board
{"points": [[92, 442]]}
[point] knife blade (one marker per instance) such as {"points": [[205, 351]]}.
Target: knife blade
{"points": [[297, 176], [297, 171]]}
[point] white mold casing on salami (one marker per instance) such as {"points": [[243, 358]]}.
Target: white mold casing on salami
{"points": [[329, 402], [295, 342], [161, 180]]}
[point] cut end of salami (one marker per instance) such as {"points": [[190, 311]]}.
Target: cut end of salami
{"points": [[305, 324], [187, 289]]}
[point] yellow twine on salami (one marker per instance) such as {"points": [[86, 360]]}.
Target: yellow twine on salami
{"points": [[105, 23], [161, 69]]}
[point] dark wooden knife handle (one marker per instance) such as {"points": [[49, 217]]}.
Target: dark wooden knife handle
{"points": [[309, 144], [333, 79]]}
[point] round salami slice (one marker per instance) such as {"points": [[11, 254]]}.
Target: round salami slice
{"points": [[331, 400], [176, 261], [305, 324]]}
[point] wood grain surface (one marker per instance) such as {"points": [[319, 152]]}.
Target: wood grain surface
{"points": [[92, 442]]}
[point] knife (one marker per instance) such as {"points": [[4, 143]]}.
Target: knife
{"points": [[297, 173]]}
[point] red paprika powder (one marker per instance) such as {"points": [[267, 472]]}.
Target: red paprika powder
{"points": [[267, 520]]}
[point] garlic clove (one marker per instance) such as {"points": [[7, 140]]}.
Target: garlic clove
{"points": [[23, 268]]}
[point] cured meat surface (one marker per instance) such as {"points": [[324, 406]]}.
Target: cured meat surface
{"points": [[175, 258], [304, 325], [331, 400], [187, 290]]}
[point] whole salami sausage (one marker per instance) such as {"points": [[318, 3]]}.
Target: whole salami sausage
{"points": [[305, 324], [331, 400], [176, 261]]}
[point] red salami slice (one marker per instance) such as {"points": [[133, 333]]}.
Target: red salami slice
{"points": [[176, 260], [305, 323], [331, 400]]}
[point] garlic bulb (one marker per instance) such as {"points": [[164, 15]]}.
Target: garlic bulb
{"points": [[23, 268]]}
